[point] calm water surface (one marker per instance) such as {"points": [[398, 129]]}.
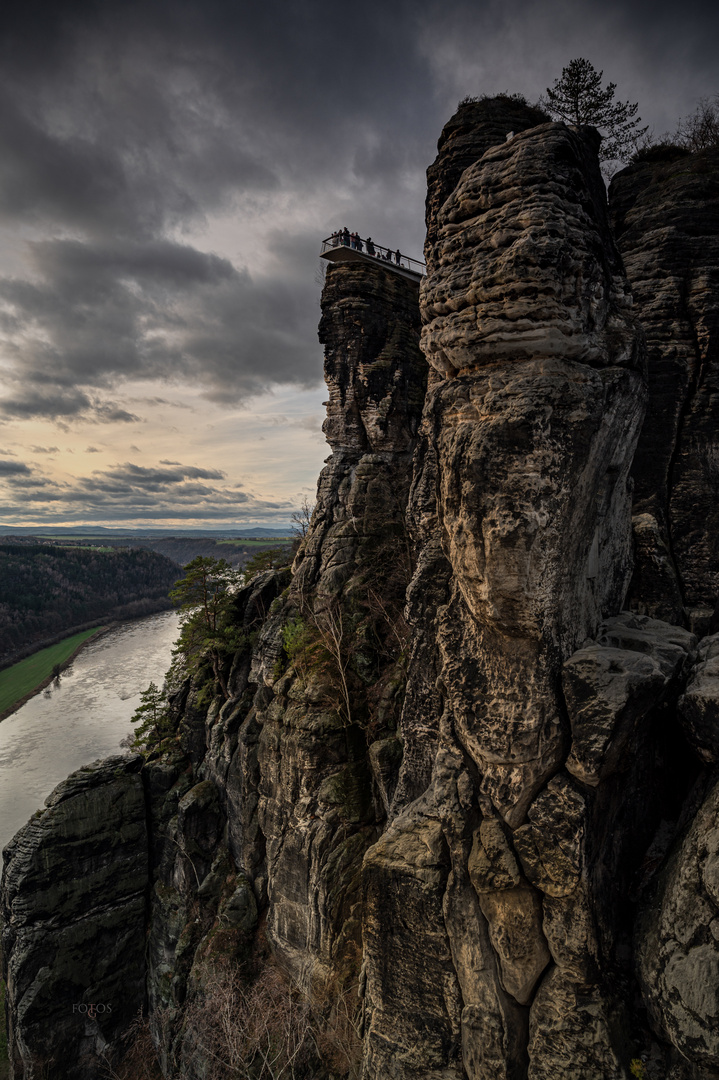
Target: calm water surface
{"points": [[80, 718]]}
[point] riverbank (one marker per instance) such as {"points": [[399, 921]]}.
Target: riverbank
{"points": [[28, 677], [138, 609]]}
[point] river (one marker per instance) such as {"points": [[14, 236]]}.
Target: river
{"points": [[82, 716]]}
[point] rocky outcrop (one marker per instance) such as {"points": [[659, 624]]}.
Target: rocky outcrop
{"points": [[678, 944], [528, 433], [457, 793], [665, 212], [298, 768], [699, 705], [73, 911], [475, 127]]}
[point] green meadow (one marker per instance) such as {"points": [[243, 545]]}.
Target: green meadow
{"points": [[22, 678]]}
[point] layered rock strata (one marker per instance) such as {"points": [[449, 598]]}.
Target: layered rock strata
{"points": [[665, 212], [529, 433], [73, 912]]}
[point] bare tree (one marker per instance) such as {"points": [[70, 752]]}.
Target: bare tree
{"points": [[260, 1031], [700, 131]]}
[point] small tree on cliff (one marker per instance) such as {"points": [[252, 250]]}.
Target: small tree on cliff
{"points": [[151, 717], [210, 634], [578, 98]]}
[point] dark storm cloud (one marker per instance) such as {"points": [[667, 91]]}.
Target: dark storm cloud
{"points": [[13, 468], [119, 122], [124, 124], [662, 54], [96, 314]]}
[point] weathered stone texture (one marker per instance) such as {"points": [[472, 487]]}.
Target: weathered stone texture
{"points": [[678, 943], [532, 432], [474, 128], [516, 277], [665, 212], [611, 685], [73, 911], [699, 705], [520, 505]]}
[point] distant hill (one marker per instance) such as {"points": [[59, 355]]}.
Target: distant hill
{"points": [[235, 532], [48, 591], [180, 548]]}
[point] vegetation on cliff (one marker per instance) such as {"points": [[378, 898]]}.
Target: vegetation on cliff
{"points": [[47, 590], [579, 98]]}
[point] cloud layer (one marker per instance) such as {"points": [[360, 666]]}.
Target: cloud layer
{"points": [[132, 493], [167, 170]]}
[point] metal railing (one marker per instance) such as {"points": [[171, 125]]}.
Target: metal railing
{"points": [[367, 247]]}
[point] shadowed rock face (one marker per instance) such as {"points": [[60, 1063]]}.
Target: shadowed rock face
{"points": [[321, 793], [665, 213], [678, 943], [73, 908]]}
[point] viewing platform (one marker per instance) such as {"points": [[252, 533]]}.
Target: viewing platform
{"points": [[344, 247]]}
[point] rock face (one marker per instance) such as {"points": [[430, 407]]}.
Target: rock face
{"points": [[665, 212], [73, 910], [678, 943], [528, 435], [459, 794]]}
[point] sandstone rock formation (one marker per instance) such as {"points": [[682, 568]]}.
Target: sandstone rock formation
{"points": [[73, 912], [459, 795], [665, 212], [678, 944]]}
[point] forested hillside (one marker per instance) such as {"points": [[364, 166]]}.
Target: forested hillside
{"points": [[49, 590]]}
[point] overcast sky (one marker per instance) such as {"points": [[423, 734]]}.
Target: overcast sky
{"points": [[167, 172]]}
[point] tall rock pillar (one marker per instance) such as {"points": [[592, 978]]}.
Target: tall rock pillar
{"points": [[327, 748], [521, 505]]}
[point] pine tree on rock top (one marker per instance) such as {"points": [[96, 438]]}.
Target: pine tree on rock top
{"points": [[578, 98]]}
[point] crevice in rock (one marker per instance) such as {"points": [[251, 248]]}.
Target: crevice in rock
{"points": [[692, 389]]}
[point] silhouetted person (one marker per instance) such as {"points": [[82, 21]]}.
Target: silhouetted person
{"points": [[369, 245], [346, 236], [397, 257]]}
